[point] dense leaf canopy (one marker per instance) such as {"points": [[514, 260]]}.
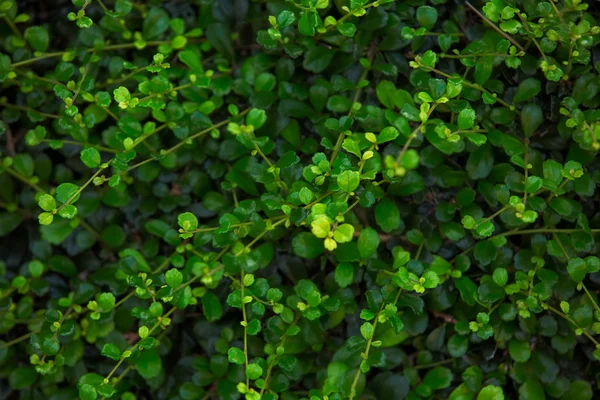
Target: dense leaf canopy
{"points": [[299, 199]]}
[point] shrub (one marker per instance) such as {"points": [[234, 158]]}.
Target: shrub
{"points": [[300, 199]]}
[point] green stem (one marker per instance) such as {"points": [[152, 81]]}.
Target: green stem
{"points": [[473, 86], [365, 355], [344, 18], [475, 55], [14, 28], [135, 346], [245, 326], [82, 144], [85, 72], [493, 26], [17, 340], [90, 50], [569, 319], [274, 360], [342, 135], [434, 364], [82, 188], [23, 179], [413, 135], [272, 168], [28, 109]]}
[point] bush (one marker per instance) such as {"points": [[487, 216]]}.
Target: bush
{"points": [[299, 200]]}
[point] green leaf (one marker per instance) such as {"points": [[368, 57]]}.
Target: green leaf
{"points": [[367, 330], [347, 29], [387, 134], [317, 59], [173, 278], [286, 18], [38, 38], [211, 306], [149, 364], [491, 392], [155, 23], [519, 351], [90, 157], [111, 351], [344, 274], [47, 202], [306, 245], [343, 233], [368, 242], [527, 89], [577, 269], [254, 371], [235, 356], [480, 162], [351, 147], [427, 16], [187, 221], [307, 23], [483, 69], [533, 184], [387, 215], [348, 181], [256, 118], [438, 378], [466, 118], [5, 66], [66, 191], [121, 94], [500, 276], [87, 392], [22, 377], [531, 119]]}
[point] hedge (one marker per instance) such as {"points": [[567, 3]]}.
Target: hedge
{"points": [[299, 199]]}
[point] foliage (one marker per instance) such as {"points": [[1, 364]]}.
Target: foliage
{"points": [[300, 199]]}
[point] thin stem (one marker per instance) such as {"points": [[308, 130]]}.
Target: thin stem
{"points": [[475, 55], [135, 346], [443, 34], [126, 77], [589, 295], [263, 233], [245, 325], [85, 72], [492, 25], [474, 86], [17, 340], [23, 179], [434, 364], [272, 168], [525, 161], [82, 188], [142, 138], [175, 89], [82, 144], [23, 108], [365, 355], [112, 115], [14, 28], [89, 50], [342, 135], [344, 18], [494, 215], [569, 319], [204, 132], [274, 360], [413, 135], [535, 42]]}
